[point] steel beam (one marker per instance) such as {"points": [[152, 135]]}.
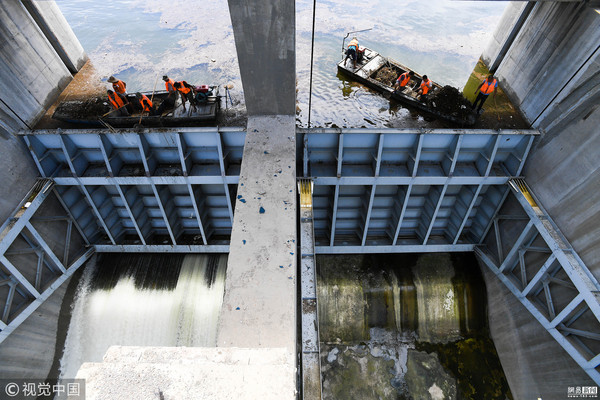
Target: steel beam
{"points": [[408, 248], [38, 238], [156, 248], [30, 309], [373, 189], [588, 367], [224, 176], [140, 180]]}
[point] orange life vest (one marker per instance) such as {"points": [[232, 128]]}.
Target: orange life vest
{"points": [[115, 100], [170, 83], [404, 79], [488, 87], [426, 86], [119, 86], [146, 103], [353, 43], [183, 89]]}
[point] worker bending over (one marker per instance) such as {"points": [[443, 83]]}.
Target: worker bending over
{"points": [[145, 103], [352, 51], [486, 87], [187, 93], [118, 105], [403, 80]]}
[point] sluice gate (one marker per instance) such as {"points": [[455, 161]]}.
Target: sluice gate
{"points": [[372, 191]]}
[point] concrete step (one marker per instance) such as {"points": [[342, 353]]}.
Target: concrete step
{"points": [[190, 373]]}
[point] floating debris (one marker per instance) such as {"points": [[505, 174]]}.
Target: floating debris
{"points": [[261, 210]]}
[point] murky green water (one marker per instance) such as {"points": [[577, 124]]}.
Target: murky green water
{"points": [[406, 327], [139, 40]]}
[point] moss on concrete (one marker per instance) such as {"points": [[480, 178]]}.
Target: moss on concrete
{"points": [[499, 112], [475, 365]]}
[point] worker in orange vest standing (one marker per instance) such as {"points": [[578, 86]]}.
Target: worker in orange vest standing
{"points": [[486, 87], [169, 84], [120, 89], [352, 51], [403, 80], [426, 86], [117, 103]]}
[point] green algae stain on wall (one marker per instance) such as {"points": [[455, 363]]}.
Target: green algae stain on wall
{"points": [[406, 327]]}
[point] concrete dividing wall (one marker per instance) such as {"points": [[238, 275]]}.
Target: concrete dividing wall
{"points": [[32, 74], [552, 71], [554, 55], [58, 32]]}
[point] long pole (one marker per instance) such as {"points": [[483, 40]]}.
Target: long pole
{"points": [[312, 52]]}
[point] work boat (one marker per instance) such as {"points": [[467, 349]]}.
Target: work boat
{"points": [[97, 111], [380, 73]]}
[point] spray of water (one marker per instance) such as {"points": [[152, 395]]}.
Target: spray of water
{"points": [[128, 315]]}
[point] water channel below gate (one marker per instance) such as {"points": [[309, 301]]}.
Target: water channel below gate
{"points": [[406, 326], [398, 326]]}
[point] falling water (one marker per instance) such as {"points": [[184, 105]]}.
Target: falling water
{"points": [[144, 301]]}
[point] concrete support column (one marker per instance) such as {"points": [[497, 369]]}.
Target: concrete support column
{"points": [[265, 42]]}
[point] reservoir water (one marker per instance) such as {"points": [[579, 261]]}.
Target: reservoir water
{"points": [[140, 40]]}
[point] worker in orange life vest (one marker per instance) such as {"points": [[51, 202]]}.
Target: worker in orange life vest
{"points": [[403, 80], [187, 93], [145, 103], [169, 84], [425, 88], [120, 89], [352, 51], [486, 87], [117, 103]]}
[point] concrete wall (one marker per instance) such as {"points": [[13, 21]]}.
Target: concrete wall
{"points": [[265, 41], [552, 71], [552, 58], [32, 73]]}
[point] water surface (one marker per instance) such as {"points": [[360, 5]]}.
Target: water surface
{"points": [[140, 40]]}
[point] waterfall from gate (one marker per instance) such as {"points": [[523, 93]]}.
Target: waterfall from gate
{"points": [[144, 300]]}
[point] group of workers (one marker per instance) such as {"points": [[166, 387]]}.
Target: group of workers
{"points": [[123, 107], [487, 87]]}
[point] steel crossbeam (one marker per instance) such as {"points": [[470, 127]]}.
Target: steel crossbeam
{"points": [[31, 295], [580, 289]]}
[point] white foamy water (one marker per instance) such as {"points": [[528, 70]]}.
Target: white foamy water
{"points": [[125, 315]]}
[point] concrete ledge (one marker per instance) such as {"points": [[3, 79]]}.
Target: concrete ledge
{"points": [[189, 373]]}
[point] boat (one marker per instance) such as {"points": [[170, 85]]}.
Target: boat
{"points": [[369, 71], [97, 112]]}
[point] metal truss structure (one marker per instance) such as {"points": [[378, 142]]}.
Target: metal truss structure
{"points": [[408, 190], [150, 191], [31, 267], [539, 266]]}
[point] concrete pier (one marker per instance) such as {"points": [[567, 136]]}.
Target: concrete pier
{"points": [[259, 309], [32, 73]]}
